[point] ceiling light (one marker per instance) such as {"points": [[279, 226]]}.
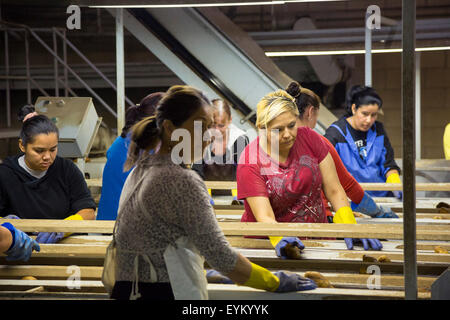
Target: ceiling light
{"points": [[211, 4], [339, 52]]}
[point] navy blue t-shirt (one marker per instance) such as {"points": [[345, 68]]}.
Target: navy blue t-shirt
{"points": [[60, 193]]}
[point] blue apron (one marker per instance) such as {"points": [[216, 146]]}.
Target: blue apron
{"points": [[371, 169]]}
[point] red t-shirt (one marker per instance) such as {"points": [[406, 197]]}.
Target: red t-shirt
{"points": [[351, 187], [293, 187]]}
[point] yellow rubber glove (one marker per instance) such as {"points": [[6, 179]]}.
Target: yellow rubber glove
{"points": [[54, 237], [344, 215], [279, 281], [274, 240], [446, 140], [75, 216], [393, 178], [261, 278], [234, 192], [209, 192]]}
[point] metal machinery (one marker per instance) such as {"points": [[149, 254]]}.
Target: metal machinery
{"points": [[77, 122]]}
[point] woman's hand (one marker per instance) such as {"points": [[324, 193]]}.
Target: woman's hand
{"points": [[345, 216]]}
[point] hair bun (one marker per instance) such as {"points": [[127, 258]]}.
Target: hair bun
{"points": [[352, 94], [294, 89], [24, 111]]}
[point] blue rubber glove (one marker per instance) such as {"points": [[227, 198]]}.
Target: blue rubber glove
{"points": [[279, 247], [345, 215], [49, 237], [369, 207], [386, 213], [214, 276], [11, 216], [398, 194], [22, 245], [211, 201], [290, 282], [374, 243]]}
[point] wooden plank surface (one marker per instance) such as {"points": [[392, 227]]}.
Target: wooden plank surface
{"points": [[309, 253], [215, 291], [425, 217], [241, 242], [95, 273], [438, 186], [388, 231], [228, 185], [355, 255], [392, 245], [48, 272], [233, 292]]}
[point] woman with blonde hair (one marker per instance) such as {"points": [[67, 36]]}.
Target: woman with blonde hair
{"points": [[164, 206], [308, 104], [281, 174]]}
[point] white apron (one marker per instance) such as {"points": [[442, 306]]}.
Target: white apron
{"points": [[184, 266]]}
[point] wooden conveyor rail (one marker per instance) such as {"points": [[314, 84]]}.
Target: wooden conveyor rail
{"points": [[436, 216], [97, 251], [228, 185], [52, 279], [388, 231]]}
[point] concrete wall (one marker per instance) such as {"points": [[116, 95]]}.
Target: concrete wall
{"points": [[435, 97]]}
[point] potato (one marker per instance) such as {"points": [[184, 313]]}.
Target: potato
{"points": [[439, 249], [366, 258], [319, 279], [383, 258], [292, 251]]}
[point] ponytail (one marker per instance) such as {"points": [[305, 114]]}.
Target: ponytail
{"points": [[178, 104], [145, 135]]}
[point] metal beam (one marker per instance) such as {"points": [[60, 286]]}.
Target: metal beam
{"points": [[55, 63], [368, 53], [8, 87], [408, 127], [418, 109], [120, 71], [72, 72], [27, 66], [85, 59]]}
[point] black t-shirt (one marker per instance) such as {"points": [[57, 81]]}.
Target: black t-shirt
{"points": [[360, 138], [222, 168], [61, 192]]}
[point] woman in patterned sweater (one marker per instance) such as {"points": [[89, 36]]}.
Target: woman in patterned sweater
{"points": [[162, 201]]}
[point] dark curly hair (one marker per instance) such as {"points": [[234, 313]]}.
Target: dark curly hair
{"points": [[361, 96]]}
